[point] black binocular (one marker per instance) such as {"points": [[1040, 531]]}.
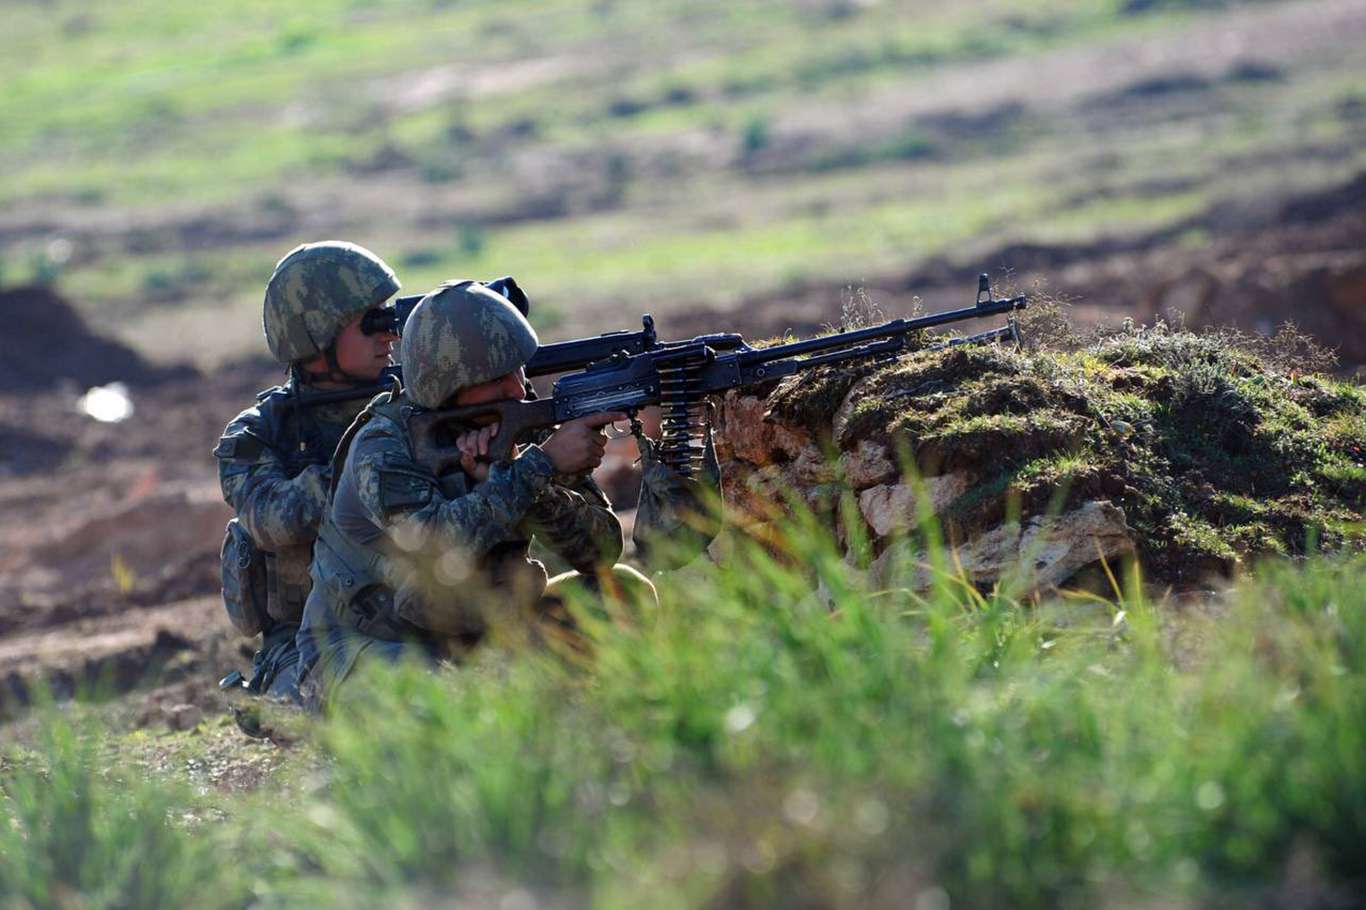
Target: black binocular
{"points": [[391, 318]]}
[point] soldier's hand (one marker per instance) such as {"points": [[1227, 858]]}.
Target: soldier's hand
{"points": [[577, 447], [474, 450]]}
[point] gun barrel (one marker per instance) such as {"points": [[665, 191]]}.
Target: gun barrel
{"points": [[890, 329], [998, 334]]}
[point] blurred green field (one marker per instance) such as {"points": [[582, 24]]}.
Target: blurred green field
{"points": [[159, 160]]}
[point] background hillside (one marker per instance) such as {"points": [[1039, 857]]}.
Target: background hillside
{"points": [[707, 159]]}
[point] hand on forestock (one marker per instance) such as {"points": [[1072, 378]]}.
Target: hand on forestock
{"points": [[577, 447], [474, 450]]}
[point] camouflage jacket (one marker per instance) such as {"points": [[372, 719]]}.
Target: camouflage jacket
{"points": [[404, 555], [274, 466]]}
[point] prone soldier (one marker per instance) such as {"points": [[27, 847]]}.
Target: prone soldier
{"points": [[274, 459], [409, 563]]}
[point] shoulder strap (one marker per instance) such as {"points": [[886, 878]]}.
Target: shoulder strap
{"points": [[382, 404]]}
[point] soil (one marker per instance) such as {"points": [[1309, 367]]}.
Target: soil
{"points": [[46, 342], [109, 531]]}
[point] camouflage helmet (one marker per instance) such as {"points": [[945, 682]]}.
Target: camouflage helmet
{"points": [[460, 335], [316, 290]]}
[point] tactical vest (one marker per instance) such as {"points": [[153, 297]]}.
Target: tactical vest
{"points": [[299, 439]]}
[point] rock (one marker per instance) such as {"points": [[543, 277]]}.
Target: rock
{"points": [[747, 493], [811, 468], [1055, 547], [724, 549], [789, 440], [747, 437], [183, 717], [900, 564], [892, 507], [765, 494], [747, 432], [867, 465]]}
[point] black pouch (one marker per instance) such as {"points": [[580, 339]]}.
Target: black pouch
{"points": [[245, 583]]}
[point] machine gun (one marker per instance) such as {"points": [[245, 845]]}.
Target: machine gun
{"points": [[678, 377]]}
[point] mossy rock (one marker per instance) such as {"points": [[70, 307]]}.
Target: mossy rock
{"points": [[1216, 451]]}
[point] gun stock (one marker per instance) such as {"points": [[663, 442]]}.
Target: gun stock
{"points": [[433, 431]]}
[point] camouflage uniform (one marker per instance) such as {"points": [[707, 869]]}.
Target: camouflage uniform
{"points": [[408, 563], [274, 467], [274, 459]]}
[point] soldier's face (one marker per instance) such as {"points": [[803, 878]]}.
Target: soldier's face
{"points": [[505, 388], [363, 355]]}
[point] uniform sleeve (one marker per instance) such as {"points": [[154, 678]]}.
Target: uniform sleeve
{"points": [[575, 521], [404, 500], [277, 510]]}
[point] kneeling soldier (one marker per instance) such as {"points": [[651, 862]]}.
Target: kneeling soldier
{"points": [[411, 564], [274, 460]]}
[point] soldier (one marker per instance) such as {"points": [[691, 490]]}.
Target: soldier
{"points": [[274, 459], [411, 564]]}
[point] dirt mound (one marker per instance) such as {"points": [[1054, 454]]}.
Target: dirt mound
{"points": [[112, 654], [45, 341], [1197, 451]]}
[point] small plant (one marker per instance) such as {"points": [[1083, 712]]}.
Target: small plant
{"points": [[858, 309], [755, 135], [295, 39], [77, 830], [44, 270], [125, 578]]}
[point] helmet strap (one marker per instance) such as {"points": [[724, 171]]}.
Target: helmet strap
{"points": [[334, 373]]}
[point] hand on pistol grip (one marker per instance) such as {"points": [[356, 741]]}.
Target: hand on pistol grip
{"points": [[577, 447]]}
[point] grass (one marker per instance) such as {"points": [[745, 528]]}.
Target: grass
{"points": [[747, 746], [76, 831], [157, 65]]}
